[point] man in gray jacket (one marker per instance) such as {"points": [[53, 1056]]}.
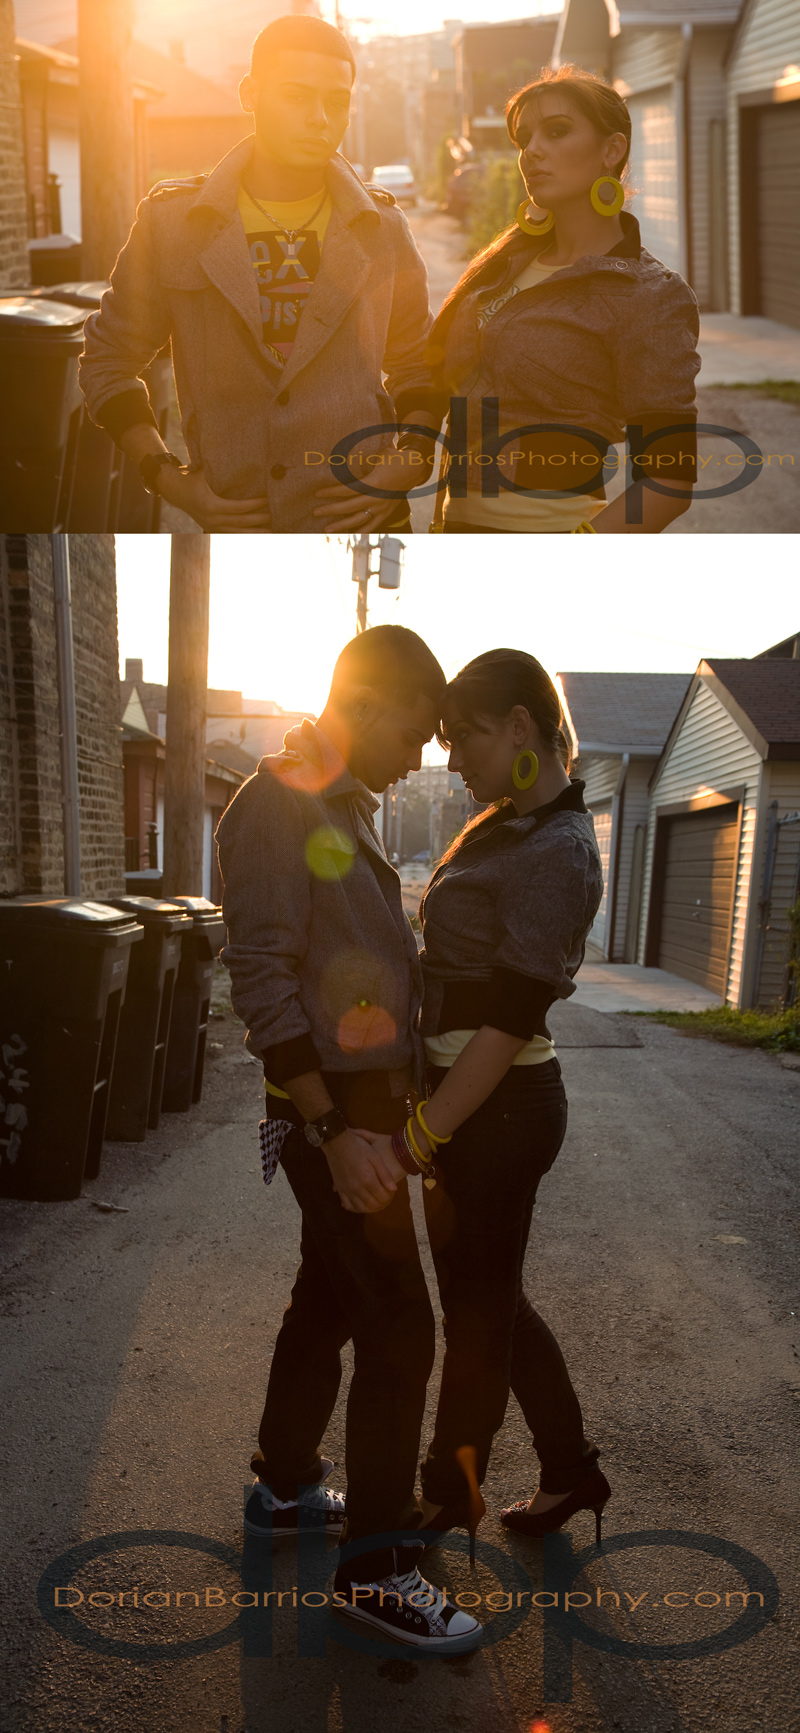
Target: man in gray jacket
{"points": [[289, 291], [324, 972]]}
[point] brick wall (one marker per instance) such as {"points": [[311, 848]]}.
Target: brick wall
{"points": [[13, 212], [31, 819]]}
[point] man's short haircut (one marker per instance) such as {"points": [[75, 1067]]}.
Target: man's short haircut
{"points": [[392, 659], [311, 35]]}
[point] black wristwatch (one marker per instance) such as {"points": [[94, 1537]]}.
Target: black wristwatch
{"points": [[151, 464], [324, 1129]]}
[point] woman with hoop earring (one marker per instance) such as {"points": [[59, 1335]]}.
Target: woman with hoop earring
{"points": [[562, 334], [505, 919]]}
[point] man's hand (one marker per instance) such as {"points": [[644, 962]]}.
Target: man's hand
{"points": [[189, 490], [365, 1179], [349, 510]]}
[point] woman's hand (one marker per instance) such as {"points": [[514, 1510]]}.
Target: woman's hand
{"points": [[347, 509], [381, 1145], [364, 1178]]}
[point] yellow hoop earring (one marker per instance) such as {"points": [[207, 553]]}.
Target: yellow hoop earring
{"points": [[524, 222], [618, 200], [525, 778]]}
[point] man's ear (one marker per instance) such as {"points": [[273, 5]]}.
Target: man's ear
{"points": [[362, 701], [247, 94]]}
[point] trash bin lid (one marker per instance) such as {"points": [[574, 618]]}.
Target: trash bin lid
{"points": [[34, 316], [72, 294], [201, 910], [151, 911], [68, 917]]}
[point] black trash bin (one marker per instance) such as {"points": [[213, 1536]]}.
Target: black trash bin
{"points": [[62, 985], [183, 1081], [40, 341], [108, 492], [138, 1080]]}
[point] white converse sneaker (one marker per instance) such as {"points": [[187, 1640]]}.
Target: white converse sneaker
{"points": [[412, 1611], [273, 1517]]}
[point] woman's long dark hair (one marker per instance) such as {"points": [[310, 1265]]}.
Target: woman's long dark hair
{"points": [[603, 106], [487, 689]]}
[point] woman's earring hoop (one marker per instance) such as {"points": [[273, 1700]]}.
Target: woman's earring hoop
{"points": [[603, 209], [529, 228], [521, 776]]}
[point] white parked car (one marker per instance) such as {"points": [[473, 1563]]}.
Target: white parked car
{"points": [[397, 178]]}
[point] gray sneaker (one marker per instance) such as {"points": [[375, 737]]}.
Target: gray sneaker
{"points": [[272, 1517], [411, 1610]]}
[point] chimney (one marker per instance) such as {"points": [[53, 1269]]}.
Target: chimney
{"points": [[134, 668]]}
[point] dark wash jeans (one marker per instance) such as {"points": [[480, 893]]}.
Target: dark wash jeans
{"points": [[360, 1278], [478, 1220]]}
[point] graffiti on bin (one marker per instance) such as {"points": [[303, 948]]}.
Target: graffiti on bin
{"points": [[13, 1081]]}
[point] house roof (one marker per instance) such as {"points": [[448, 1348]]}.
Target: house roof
{"points": [[657, 12], [62, 67], [763, 695], [232, 756], [617, 713], [181, 93]]}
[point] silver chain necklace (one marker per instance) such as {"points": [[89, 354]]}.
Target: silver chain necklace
{"points": [[291, 234]]}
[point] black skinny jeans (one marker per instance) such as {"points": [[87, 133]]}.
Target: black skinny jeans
{"points": [[478, 1220], [360, 1277]]}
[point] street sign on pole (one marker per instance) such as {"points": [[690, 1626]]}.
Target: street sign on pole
{"points": [[390, 551], [389, 569]]}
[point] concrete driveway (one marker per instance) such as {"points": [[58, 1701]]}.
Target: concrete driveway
{"points": [[663, 1253]]}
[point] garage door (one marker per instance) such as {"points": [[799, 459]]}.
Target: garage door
{"points": [[602, 830], [654, 171], [779, 212], [696, 903]]}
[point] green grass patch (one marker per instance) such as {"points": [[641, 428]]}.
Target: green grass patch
{"points": [[786, 390], [778, 1031]]}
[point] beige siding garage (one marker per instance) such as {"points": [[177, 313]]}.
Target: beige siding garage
{"points": [[782, 783], [709, 755], [654, 168], [602, 831]]}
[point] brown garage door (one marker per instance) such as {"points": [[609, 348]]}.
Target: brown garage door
{"points": [[778, 180], [696, 903]]}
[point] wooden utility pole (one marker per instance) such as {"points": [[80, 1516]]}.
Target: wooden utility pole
{"points": [[187, 682], [108, 156]]}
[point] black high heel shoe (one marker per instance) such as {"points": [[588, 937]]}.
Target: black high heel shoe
{"points": [[462, 1514], [591, 1493], [465, 1512]]}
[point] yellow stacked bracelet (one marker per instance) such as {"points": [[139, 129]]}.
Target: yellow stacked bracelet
{"points": [[583, 530], [431, 1135]]}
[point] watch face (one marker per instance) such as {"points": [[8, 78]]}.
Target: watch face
{"points": [[313, 1136]]}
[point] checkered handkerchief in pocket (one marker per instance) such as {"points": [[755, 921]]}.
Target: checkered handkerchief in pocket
{"points": [[272, 1135]]}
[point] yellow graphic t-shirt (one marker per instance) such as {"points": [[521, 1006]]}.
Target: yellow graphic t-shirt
{"points": [[285, 269]]}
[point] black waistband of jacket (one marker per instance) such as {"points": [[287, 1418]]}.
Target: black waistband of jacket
{"points": [[514, 1003], [366, 1098]]}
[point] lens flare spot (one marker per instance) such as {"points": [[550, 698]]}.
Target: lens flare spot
{"points": [[330, 853], [365, 1025], [540, 1727]]}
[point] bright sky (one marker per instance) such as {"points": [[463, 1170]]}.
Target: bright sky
{"points": [[282, 607]]}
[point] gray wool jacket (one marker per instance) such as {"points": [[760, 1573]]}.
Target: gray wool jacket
{"points": [[604, 346], [505, 920], [258, 430], [323, 962]]}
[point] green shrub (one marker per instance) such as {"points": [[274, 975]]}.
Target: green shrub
{"points": [[777, 1031], [496, 200]]}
